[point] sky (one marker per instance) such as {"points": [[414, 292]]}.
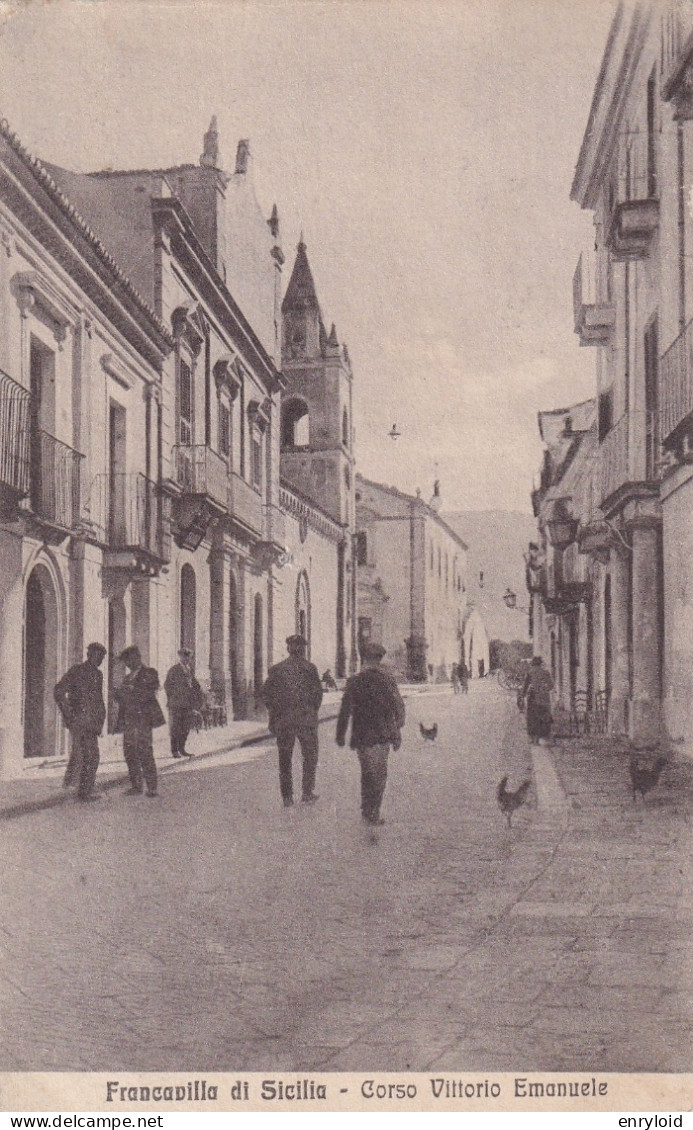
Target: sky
{"points": [[424, 148]]}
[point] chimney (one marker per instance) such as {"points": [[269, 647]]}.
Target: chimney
{"points": [[210, 155]]}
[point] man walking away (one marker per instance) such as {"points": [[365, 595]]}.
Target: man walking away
{"points": [[292, 695], [373, 702], [139, 712], [79, 695], [464, 677], [184, 697]]}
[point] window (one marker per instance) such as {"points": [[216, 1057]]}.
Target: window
{"points": [[362, 548], [295, 424], [651, 136], [345, 429], [224, 429], [256, 461], [185, 403], [606, 413]]}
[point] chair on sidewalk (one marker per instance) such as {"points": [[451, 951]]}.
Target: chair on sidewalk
{"points": [[580, 714], [601, 712]]}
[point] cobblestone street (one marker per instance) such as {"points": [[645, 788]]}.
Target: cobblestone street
{"points": [[211, 929]]}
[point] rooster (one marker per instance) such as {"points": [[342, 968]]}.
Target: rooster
{"points": [[508, 801], [645, 777], [430, 734]]}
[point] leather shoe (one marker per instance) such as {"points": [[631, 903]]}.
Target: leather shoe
{"points": [[310, 798], [176, 754], [184, 753]]}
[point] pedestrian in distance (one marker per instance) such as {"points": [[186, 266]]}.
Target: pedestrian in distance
{"points": [[79, 696], [184, 697], [328, 681], [455, 679], [464, 677], [138, 714], [292, 695], [373, 702], [536, 699]]}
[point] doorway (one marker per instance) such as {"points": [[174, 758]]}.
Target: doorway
{"points": [[40, 664]]}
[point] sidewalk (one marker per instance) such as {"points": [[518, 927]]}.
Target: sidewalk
{"points": [[40, 785]]}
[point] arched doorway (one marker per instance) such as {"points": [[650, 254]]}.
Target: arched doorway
{"points": [[40, 664], [188, 607], [258, 657], [303, 608]]}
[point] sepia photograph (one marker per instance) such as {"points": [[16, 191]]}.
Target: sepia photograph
{"points": [[346, 554]]}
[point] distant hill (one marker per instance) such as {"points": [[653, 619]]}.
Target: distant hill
{"points": [[497, 540]]}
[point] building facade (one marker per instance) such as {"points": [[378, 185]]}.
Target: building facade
{"points": [[141, 438], [633, 295], [412, 586]]}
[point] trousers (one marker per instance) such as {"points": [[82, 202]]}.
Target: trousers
{"points": [[308, 740], [373, 761], [138, 750], [180, 725], [83, 762]]}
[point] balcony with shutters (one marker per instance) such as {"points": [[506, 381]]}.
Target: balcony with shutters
{"points": [[202, 476], [594, 320], [633, 199], [130, 517], [246, 506]]}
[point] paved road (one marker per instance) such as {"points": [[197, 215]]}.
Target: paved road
{"points": [[211, 929]]}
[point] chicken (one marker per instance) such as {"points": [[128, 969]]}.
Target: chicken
{"points": [[429, 734], [645, 777], [508, 801]]}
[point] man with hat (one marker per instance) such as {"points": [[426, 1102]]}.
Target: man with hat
{"points": [[138, 714], [184, 697], [292, 695], [373, 702], [79, 695]]}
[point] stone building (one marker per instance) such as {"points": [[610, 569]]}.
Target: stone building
{"points": [[633, 295], [412, 585], [140, 439]]}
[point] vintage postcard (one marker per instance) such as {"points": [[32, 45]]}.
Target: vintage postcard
{"points": [[346, 555]]}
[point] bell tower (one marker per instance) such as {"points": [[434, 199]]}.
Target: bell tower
{"points": [[317, 433]]}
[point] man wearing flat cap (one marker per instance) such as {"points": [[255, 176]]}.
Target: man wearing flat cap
{"points": [[373, 702], [184, 697], [79, 695], [138, 714], [292, 695]]}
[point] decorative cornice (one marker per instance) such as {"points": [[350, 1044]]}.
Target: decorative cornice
{"points": [[299, 508]]}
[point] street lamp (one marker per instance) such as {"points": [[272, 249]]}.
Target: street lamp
{"points": [[393, 433], [561, 526], [510, 601]]}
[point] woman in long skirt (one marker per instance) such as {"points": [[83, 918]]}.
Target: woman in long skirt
{"points": [[536, 693]]}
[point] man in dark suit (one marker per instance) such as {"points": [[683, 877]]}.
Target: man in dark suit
{"points": [[292, 695], [138, 714], [373, 702], [79, 695], [184, 697]]}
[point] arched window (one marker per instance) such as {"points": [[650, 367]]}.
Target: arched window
{"points": [[295, 424], [40, 664], [345, 428], [303, 608], [362, 548], [188, 607]]}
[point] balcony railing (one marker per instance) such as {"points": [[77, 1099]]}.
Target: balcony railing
{"points": [[130, 514], [246, 504], [676, 384], [54, 492], [613, 459], [15, 461], [200, 471], [594, 320]]}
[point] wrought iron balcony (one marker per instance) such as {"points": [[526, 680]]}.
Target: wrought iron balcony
{"points": [[613, 459], [131, 517], [633, 203], [54, 489], [15, 461], [202, 473], [594, 320], [676, 388], [246, 506]]}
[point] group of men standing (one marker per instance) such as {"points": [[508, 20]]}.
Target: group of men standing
{"points": [[79, 696], [292, 693]]}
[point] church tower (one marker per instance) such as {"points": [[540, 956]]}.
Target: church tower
{"points": [[317, 434], [317, 450]]}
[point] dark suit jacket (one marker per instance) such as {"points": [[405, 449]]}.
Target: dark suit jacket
{"points": [[183, 692], [292, 693], [373, 702], [137, 701], [79, 694]]}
